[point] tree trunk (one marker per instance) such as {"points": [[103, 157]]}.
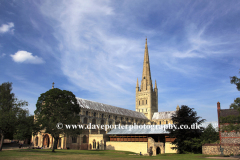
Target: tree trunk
{"points": [[55, 143], [1, 143]]}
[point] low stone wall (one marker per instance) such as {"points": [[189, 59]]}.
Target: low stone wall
{"points": [[214, 149]]}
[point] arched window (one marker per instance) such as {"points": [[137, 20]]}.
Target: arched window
{"points": [[139, 102], [94, 121], [160, 122], [36, 141], [110, 122], [84, 139], [102, 115], [86, 113], [109, 116], [146, 110], [115, 117], [146, 101], [74, 139], [97, 145], [94, 144], [166, 122], [142, 102], [102, 122], [85, 120], [94, 114]]}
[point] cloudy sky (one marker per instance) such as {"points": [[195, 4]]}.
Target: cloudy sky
{"points": [[95, 49]]}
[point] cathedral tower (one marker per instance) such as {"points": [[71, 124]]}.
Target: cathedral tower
{"points": [[146, 96]]}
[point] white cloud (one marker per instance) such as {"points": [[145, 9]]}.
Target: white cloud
{"points": [[26, 57], [7, 28]]}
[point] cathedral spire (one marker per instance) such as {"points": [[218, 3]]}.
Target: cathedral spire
{"points": [[146, 75], [137, 83], [53, 85], [146, 95]]}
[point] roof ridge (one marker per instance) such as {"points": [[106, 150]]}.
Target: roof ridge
{"points": [[164, 111], [108, 104], [111, 109], [229, 109]]}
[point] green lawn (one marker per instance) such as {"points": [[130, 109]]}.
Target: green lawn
{"points": [[39, 154]]}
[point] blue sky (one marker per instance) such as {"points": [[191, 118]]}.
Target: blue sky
{"points": [[95, 49]]}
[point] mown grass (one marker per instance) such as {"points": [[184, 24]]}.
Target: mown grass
{"points": [[40, 154]]}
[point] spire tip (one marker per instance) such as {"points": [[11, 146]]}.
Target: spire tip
{"points": [[53, 85]]}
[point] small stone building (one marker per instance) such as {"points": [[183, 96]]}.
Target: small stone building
{"points": [[229, 141]]}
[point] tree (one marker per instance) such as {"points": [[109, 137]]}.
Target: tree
{"points": [[235, 80], [209, 135], [25, 125], [184, 137], [236, 104], [194, 145], [9, 108], [53, 107]]}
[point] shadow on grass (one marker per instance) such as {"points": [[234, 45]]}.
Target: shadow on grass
{"points": [[65, 152]]}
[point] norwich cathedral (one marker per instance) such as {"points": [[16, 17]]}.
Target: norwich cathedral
{"points": [[136, 140]]}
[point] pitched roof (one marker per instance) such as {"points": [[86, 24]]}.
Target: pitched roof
{"points": [[87, 104], [163, 115], [228, 112]]}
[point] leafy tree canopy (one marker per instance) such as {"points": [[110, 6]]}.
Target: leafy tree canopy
{"points": [[57, 106], [10, 107], [188, 117], [236, 104], [210, 135], [24, 126], [235, 80]]}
